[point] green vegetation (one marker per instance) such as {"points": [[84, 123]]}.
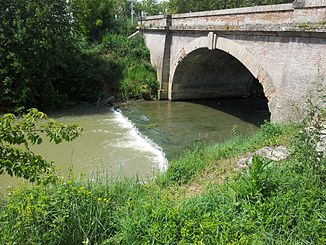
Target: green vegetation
{"points": [[202, 199], [92, 17], [56, 52], [48, 59], [137, 79], [30, 129], [34, 36], [196, 160]]}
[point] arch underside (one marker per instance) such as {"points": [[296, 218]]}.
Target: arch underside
{"points": [[213, 66], [208, 73]]}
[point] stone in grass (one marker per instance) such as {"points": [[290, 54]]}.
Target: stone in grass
{"points": [[321, 146], [276, 153]]}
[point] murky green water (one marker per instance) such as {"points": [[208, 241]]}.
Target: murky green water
{"points": [[111, 144], [177, 125]]}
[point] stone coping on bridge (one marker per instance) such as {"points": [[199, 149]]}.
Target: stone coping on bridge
{"points": [[246, 10], [301, 16], [235, 11]]}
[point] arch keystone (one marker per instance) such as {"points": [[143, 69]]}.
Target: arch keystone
{"points": [[211, 40]]}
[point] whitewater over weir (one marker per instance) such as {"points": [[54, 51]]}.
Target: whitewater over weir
{"points": [[135, 140]]}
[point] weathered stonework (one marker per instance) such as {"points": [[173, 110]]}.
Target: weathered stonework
{"points": [[216, 53]]}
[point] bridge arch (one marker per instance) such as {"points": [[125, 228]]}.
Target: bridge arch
{"points": [[230, 51]]}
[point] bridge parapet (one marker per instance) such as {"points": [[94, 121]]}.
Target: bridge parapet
{"points": [[301, 15]]}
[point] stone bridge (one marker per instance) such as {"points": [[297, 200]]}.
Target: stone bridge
{"points": [[220, 54]]}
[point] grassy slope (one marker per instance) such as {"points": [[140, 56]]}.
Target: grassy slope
{"points": [[200, 199]]}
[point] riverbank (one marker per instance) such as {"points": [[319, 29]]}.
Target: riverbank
{"points": [[203, 197]]}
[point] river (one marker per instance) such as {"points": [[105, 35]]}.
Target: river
{"points": [[140, 137]]}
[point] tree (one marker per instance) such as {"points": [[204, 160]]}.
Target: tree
{"points": [[150, 7], [16, 134], [34, 36], [94, 17], [43, 63]]}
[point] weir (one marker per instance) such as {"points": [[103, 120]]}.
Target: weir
{"points": [[220, 54]]}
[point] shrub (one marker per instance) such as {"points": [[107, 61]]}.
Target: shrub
{"points": [[15, 132], [42, 60], [139, 82], [138, 78]]}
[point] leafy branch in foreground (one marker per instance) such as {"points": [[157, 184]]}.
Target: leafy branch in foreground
{"points": [[17, 133]]}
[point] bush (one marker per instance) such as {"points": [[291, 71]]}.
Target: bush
{"points": [[122, 47], [139, 82], [83, 76], [138, 78]]}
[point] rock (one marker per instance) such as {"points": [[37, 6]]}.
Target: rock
{"points": [[276, 153], [279, 153], [144, 118], [244, 162], [321, 146]]}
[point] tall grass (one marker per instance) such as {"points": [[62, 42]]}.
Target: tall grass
{"points": [[199, 158], [268, 203]]}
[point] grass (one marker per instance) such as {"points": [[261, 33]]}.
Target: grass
{"points": [[201, 199], [197, 159]]}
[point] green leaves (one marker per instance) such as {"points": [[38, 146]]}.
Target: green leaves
{"points": [[16, 134], [34, 36], [92, 17], [138, 78], [254, 183], [58, 132], [23, 164]]}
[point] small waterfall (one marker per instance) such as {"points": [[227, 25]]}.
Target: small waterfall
{"points": [[136, 140]]}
